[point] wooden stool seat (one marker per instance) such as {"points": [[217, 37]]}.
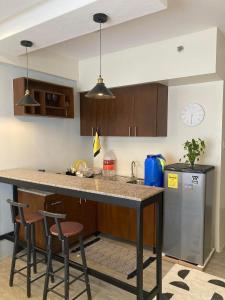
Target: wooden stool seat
{"points": [[68, 229], [30, 218]]}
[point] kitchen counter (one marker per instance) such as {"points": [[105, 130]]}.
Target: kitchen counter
{"points": [[115, 192], [116, 188]]}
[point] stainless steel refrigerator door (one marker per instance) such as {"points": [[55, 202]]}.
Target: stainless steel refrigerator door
{"points": [[192, 221], [184, 217], [172, 216]]}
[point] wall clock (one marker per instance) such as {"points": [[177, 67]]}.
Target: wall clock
{"points": [[193, 114]]}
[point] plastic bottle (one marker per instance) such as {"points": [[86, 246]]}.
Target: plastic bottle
{"points": [[109, 164], [154, 169]]}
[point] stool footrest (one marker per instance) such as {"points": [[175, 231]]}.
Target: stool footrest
{"points": [[76, 278], [19, 272], [57, 270], [38, 277], [54, 286], [20, 256], [81, 293], [62, 296], [21, 269]]}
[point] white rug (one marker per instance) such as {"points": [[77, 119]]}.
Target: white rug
{"points": [[182, 283]]}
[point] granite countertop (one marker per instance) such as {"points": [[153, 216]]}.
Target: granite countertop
{"points": [[117, 188]]}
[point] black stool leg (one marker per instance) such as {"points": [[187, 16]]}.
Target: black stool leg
{"points": [[46, 259], [49, 267], [85, 268], [15, 246], [33, 248], [29, 264], [65, 244]]}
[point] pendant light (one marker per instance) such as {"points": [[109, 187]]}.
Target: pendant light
{"points": [[100, 91], [27, 99]]}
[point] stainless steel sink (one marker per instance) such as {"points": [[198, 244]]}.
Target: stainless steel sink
{"points": [[136, 181]]}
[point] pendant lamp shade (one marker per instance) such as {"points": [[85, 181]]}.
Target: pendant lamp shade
{"points": [[27, 99], [100, 91]]}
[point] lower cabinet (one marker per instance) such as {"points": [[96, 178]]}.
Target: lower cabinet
{"points": [[76, 209], [114, 220], [121, 222]]}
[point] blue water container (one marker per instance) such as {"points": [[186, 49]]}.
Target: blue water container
{"points": [[154, 169]]}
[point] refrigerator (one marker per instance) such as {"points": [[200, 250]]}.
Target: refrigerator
{"points": [[188, 212]]}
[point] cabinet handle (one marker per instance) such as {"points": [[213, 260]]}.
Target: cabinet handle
{"points": [[129, 129], [80, 201], [56, 203], [85, 200], [135, 130], [92, 131]]}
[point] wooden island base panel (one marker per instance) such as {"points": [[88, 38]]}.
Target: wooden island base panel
{"points": [[114, 220], [137, 198]]}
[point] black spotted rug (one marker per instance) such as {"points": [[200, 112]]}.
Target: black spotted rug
{"points": [[182, 283]]}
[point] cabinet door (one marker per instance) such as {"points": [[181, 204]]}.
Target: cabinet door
{"points": [[81, 211], [102, 122], [113, 220], [89, 217], [145, 110], [162, 110], [120, 112], [87, 115], [148, 225]]}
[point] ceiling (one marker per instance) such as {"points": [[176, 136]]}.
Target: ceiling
{"points": [[66, 27], [181, 17], [53, 21], [15, 7]]}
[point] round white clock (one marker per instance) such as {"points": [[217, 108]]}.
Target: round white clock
{"points": [[193, 114]]}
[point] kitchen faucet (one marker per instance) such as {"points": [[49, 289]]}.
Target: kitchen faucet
{"points": [[133, 165]]}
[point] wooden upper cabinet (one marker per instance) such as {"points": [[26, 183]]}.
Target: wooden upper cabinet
{"points": [[120, 112], [138, 110], [87, 115], [102, 113], [162, 110], [145, 110], [94, 115]]}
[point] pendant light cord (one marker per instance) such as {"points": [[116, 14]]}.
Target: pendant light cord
{"points": [[100, 40], [27, 67]]}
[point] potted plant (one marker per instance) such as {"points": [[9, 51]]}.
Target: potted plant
{"points": [[194, 149]]}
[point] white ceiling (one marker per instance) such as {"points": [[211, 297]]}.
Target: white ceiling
{"points": [[181, 17], [54, 21], [10, 8], [67, 28]]}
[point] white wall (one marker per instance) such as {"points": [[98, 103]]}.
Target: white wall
{"points": [[35, 142], [154, 62], [222, 188], [220, 60], [46, 61]]}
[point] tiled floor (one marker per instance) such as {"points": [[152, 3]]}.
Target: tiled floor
{"points": [[100, 290]]}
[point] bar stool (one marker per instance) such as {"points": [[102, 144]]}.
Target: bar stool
{"points": [[64, 230], [28, 220]]}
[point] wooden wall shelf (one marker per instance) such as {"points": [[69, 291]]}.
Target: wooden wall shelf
{"points": [[55, 100]]}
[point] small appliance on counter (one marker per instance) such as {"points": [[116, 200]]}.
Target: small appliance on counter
{"points": [[154, 170], [188, 209]]}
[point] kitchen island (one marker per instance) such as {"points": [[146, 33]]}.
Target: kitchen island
{"points": [[105, 191]]}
